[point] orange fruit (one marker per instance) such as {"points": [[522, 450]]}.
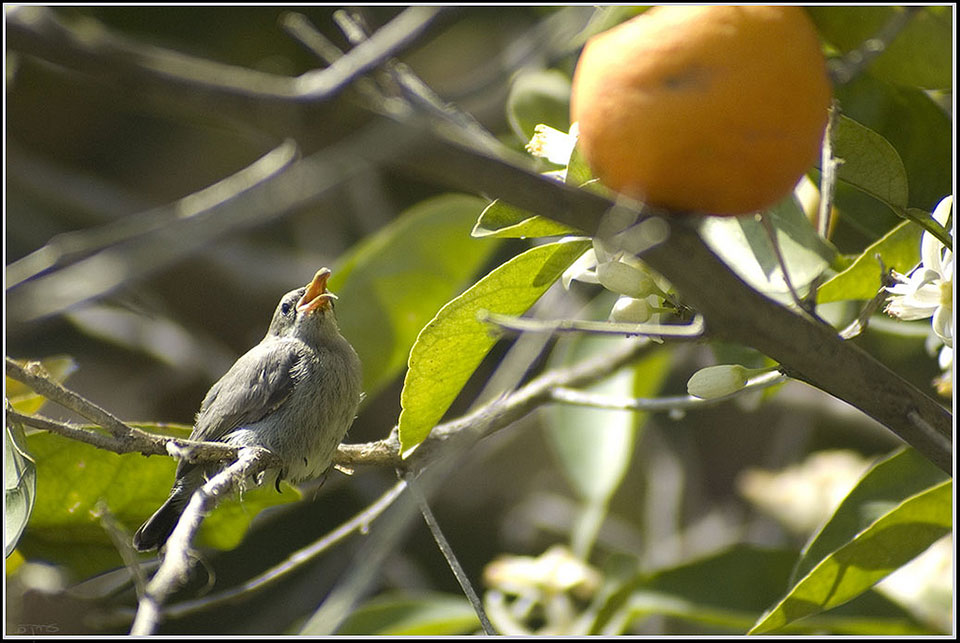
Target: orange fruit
{"points": [[715, 109]]}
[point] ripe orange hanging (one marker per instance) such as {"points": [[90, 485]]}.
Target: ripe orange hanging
{"points": [[715, 109]]}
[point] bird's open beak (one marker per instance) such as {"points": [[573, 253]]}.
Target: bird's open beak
{"points": [[316, 295]]}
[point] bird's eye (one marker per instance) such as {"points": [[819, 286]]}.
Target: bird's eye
{"points": [[285, 308]]}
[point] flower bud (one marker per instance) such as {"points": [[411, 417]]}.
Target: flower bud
{"points": [[717, 381], [631, 311], [625, 279]]}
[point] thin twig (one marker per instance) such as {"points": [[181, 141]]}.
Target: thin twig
{"points": [[121, 542], [692, 330], [37, 31], [94, 438], [809, 308], [124, 438], [859, 324], [829, 165], [34, 376], [660, 404], [300, 28], [444, 545], [854, 62], [68, 248], [418, 94]]}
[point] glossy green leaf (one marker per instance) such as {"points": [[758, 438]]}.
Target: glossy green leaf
{"points": [[536, 97], [870, 163], [725, 592], [887, 484], [579, 173], [454, 343], [917, 128], [502, 220], [400, 615], [898, 249], [888, 543], [743, 243], [392, 283], [919, 56], [595, 446], [73, 477]]}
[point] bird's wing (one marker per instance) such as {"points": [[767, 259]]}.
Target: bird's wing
{"points": [[256, 385]]}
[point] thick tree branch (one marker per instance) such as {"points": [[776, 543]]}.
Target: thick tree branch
{"points": [[807, 350]]}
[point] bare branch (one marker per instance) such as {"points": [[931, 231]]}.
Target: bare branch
{"points": [[34, 376], [659, 404], [70, 247], [692, 330], [37, 31], [444, 545], [122, 438], [178, 559]]}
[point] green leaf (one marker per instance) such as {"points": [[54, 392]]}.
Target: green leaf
{"points": [[743, 243], [726, 592], [899, 249], [919, 56], [870, 163], [392, 283], [595, 446], [727, 589], [890, 542], [536, 97], [400, 615], [73, 477], [579, 173], [20, 485], [454, 343], [918, 129], [887, 484], [502, 220]]}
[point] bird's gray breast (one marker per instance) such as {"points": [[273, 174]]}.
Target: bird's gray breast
{"points": [[312, 402]]}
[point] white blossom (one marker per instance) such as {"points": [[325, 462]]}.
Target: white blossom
{"points": [[928, 290], [552, 144]]}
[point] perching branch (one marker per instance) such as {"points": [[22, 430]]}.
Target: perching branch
{"points": [[178, 559], [121, 438]]}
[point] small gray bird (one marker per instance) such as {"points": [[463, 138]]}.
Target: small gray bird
{"points": [[295, 393]]}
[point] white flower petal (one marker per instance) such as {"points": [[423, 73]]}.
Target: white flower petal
{"points": [[551, 144], [943, 324], [946, 358], [931, 250], [942, 212], [582, 270]]}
